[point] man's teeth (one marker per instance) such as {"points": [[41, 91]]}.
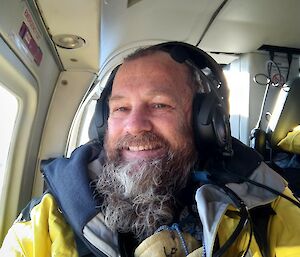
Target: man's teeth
{"points": [[140, 148]]}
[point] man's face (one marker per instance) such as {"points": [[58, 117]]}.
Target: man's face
{"points": [[150, 109], [149, 144]]}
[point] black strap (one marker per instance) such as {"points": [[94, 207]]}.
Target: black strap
{"points": [[260, 219], [127, 244]]}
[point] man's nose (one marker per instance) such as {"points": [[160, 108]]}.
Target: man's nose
{"points": [[138, 121]]}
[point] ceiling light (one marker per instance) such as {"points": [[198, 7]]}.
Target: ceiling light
{"points": [[68, 41]]}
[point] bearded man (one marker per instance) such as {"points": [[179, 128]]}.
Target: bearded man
{"points": [[140, 191]]}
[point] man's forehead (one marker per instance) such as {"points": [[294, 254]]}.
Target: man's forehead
{"points": [[159, 63], [155, 74]]}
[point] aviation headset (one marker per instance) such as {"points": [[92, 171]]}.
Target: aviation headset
{"points": [[210, 108]]}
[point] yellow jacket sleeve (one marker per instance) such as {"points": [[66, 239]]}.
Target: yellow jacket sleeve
{"points": [[45, 234], [284, 228]]}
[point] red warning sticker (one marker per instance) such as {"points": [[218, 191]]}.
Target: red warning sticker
{"points": [[30, 43]]}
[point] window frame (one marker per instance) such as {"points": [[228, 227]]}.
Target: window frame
{"points": [[21, 82]]}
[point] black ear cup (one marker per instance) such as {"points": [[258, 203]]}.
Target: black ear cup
{"points": [[211, 108], [100, 116], [102, 112], [211, 125]]}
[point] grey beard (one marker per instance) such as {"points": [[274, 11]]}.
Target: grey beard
{"points": [[138, 197]]}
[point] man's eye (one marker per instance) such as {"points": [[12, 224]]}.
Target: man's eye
{"points": [[120, 109], [160, 106]]}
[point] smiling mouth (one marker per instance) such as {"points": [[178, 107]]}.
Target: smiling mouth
{"points": [[145, 146], [137, 148], [142, 152]]}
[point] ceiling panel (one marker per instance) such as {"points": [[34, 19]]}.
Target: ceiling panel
{"points": [[78, 17], [243, 26], [112, 26]]}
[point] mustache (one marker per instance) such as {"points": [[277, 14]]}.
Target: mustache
{"points": [[148, 138]]}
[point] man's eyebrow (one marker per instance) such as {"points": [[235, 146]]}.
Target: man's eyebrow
{"points": [[151, 93], [116, 97], [161, 93]]}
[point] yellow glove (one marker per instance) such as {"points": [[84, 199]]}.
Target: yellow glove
{"points": [[168, 243]]}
